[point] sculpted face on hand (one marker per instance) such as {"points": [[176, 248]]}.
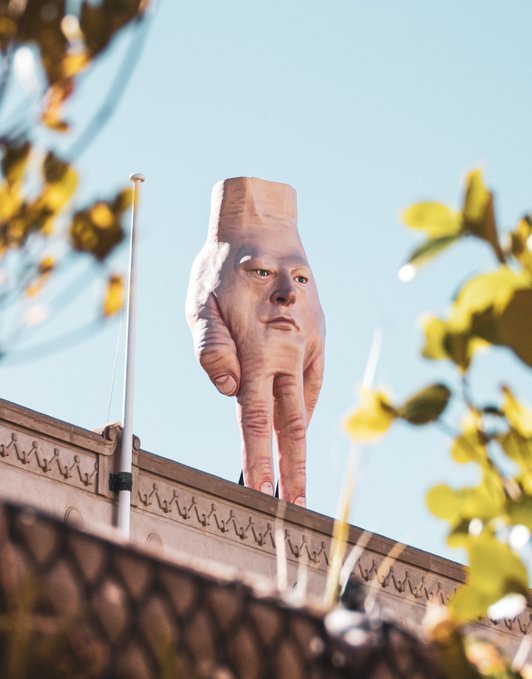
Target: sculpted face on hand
{"points": [[258, 327], [268, 291]]}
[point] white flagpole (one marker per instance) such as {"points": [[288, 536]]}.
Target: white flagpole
{"points": [[126, 450]]}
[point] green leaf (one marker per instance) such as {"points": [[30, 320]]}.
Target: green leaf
{"points": [[458, 348], [435, 219], [485, 324], [371, 418], [476, 197], [488, 230], [479, 212], [494, 288], [426, 405], [515, 325], [520, 512], [519, 239], [430, 249]]}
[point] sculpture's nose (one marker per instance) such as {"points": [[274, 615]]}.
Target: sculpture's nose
{"points": [[285, 292]]}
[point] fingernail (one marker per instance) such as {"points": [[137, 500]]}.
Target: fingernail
{"points": [[267, 488], [226, 385], [301, 501]]}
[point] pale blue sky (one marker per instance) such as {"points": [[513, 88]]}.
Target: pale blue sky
{"points": [[363, 108]]}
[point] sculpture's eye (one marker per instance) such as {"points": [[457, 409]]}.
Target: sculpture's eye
{"points": [[301, 279], [262, 273]]}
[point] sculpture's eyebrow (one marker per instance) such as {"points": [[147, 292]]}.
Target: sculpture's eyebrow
{"points": [[296, 260]]}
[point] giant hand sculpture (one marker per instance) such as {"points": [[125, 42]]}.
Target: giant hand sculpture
{"points": [[258, 327]]}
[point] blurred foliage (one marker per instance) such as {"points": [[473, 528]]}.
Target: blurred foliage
{"points": [[42, 225], [492, 520]]}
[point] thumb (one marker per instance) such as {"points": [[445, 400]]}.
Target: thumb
{"points": [[215, 348]]}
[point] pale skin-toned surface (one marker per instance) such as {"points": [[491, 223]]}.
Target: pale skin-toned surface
{"points": [[258, 327]]}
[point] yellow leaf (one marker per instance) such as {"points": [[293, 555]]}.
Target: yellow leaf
{"points": [[73, 63], [494, 569], [102, 215], [485, 501], [114, 296], [123, 200], [445, 503], [435, 330], [371, 418], [57, 94], [57, 194], [45, 268], [518, 414], [518, 448], [458, 537], [10, 201], [525, 480], [46, 265], [435, 219], [476, 197], [469, 447], [468, 603]]}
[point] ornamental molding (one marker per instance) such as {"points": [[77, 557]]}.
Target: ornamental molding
{"points": [[75, 467], [236, 524], [233, 523]]}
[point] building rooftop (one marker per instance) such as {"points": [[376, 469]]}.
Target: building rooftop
{"points": [[185, 514]]}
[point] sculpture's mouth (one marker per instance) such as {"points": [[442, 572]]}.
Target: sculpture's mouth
{"points": [[283, 323]]}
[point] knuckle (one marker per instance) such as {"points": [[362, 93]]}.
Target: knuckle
{"points": [[256, 419], [293, 427], [215, 360], [261, 469]]}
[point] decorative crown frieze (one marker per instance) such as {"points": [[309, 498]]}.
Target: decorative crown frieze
{"points": [[19, 449]]}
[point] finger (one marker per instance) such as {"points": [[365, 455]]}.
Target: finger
{"points": [[255, 415], [290, 426], [215, 348], [312, 381]]}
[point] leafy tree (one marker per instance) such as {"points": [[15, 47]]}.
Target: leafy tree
{"points": [[493, 519], [43, 228]]}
